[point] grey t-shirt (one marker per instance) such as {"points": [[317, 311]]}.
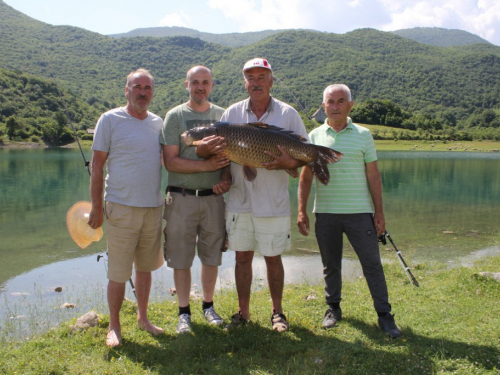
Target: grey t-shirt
{"points": [[134, 157], [177, 121]]}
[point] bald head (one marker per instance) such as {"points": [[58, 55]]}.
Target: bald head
{"points": [[199, 84], [196, 69]]}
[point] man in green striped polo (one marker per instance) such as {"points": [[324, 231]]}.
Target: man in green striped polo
{"points": [[351, 203]]}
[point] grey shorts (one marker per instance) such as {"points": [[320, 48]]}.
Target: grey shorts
{"points": [[134, 238], [193, 222]]}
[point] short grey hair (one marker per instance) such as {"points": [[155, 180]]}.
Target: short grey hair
{"points": [[140, 71], [338, 86]]}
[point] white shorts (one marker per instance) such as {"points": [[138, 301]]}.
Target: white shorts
{"points": [[270, 236]]}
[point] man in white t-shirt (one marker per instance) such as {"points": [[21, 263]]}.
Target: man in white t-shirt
{"points": [[258, 212]]}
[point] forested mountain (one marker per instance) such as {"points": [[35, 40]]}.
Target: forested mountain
{"points": [[428, 35], [229, 39], [395, 81], [32, 108], [440, 37]]}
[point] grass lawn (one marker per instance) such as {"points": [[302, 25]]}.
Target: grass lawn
{"points": [[450, 324]]}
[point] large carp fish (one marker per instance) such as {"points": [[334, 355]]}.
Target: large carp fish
{"points": [[246, 143]]}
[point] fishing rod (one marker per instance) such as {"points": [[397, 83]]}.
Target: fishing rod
{"points": [[87, 163], [105, 260], [382, 239], [302, 108]]}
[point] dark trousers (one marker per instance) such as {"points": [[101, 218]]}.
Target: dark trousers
{"points": [[361, 233]]}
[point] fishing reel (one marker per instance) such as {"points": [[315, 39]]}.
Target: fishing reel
{"points": [[382, 239]]}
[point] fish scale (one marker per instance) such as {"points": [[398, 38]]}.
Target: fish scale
{"points": [[246, 143]]}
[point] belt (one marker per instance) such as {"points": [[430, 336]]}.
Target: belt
{"points": [[198, 193]]}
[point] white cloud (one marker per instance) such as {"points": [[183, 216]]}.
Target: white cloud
{"points": [[478, 17], [481, 17], [176, 19]]}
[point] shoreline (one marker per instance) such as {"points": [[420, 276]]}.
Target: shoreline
{"points": [[380, 145]]}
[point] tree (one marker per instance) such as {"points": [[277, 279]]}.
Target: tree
{"points": [[56, 133], [13, 128]]}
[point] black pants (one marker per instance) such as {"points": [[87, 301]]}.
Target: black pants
{"points": [[362, 235]]}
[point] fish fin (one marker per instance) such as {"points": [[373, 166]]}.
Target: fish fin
{"points": [[261, 125], [329, 154], [319, 166], [293, 172], [249, 172]]}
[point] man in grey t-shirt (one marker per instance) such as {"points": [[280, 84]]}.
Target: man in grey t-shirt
{"points": [[126, 140], [194, 209]]}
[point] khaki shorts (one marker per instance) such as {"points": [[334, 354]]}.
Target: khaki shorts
{"points": [[270, 236], [134, 238], [193, 222]]}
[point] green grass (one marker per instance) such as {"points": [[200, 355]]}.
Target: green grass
{"points": [[450, 324], [469, 146]]}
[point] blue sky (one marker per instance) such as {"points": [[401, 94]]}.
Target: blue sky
{"points": [[480, 17]]}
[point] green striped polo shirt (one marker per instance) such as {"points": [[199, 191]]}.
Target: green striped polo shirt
{"points": [[348, 191]]}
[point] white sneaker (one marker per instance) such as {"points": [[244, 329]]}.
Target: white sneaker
{"points": [[212, 317], [184, 325]]}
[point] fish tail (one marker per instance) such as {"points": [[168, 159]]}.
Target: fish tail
{"points": [[319, 166], [329, 154]]}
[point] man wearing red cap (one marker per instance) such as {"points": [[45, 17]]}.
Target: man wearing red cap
{"points": [[258, 212]]}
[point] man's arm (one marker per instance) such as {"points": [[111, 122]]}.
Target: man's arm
{"points": [[209, 146], [283, 161], [225, 181], [174, 163], [96, 188], [305, 183], [375, 184]]}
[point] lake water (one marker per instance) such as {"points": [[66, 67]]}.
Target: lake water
{"points": [[439, 207]]}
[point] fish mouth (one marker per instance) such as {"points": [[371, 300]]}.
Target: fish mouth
{"points": [[188, 141]]}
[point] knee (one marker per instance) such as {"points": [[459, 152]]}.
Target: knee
{"points": [[244, 258], [273, 262]]}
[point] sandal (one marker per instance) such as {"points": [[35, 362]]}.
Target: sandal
{"points": [[237, 320], [278, 320]]}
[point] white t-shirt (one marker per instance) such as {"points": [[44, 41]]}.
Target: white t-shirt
{"points": [[267, 195]]}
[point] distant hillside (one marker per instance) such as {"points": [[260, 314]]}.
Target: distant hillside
{"points": [[440, 37], [230, 39], [408, 84], [428, 35], [32, 108]]}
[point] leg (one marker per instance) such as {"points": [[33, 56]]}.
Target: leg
{"points": [[275, 279], [142, 289], [182, 281], [243, 276], [329, 234], [208, 280], [363, 237], [116, 293]]}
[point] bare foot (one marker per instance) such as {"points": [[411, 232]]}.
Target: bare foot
{"points": [[114, 338], [147, 326]]}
